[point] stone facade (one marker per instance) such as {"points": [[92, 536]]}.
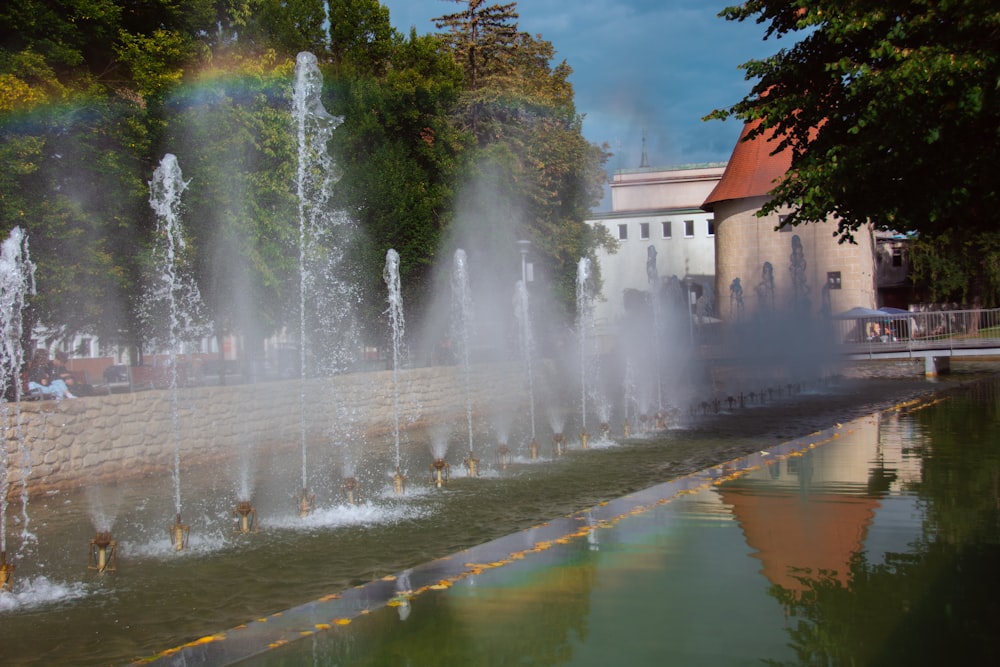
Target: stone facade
{"points": [[102, 439], [838, 276]]}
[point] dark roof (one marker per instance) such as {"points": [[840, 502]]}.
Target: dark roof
{"points": [[752, 170]]}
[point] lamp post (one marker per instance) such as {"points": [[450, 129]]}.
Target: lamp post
{"points": [[524, 245], [689, 294]]}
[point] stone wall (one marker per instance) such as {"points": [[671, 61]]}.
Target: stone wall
{"points": [[743, 242], [99, 439]]}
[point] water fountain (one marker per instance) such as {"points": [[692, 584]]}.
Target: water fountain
{"points": [[522, 311], [590, 367], [17, 281], [653, 278], [461, 295], [247, 517], [364, 549], [440, 472], [103, 553], [172, 303], [351, 489], [391, 276], [320, 295]]}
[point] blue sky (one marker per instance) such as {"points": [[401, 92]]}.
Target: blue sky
{"points": [[653, 66]]}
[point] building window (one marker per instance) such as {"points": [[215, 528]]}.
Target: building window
{"points": [[622, 232], [897, 257], [711, 227], [782, 227], [665, 229], [688, 229], [84, 347], [833, 280], [644, 230]]}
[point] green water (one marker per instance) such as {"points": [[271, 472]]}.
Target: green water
{"points": [[880, 547], [672, 578]]}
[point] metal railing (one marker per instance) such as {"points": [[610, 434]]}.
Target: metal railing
{"points": [[919, 331]]}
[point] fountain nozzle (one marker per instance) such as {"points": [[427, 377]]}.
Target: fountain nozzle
{"points": [[103, 553], [440, 471], [533, 449], [248, 517], [557, 439], [351, 489], [179, 534], [661, 421], [399, 482], [472, 465], [626, 430], [584, 439], [643, 426], [6, 572], [503, 456], [307, 503], [605, 429]]}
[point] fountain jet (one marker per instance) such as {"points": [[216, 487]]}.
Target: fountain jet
{"points": [[440, 472], [557, 440], [247, 517], [6, 572], [351, 489], [472, 465], [503, 456], [307, 503], [179, 535], [104, 553]]}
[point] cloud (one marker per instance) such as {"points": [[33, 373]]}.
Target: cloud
{"points": [[639, 66]]}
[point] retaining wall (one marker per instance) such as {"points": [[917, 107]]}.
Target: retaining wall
{"points": [[99, 439]]}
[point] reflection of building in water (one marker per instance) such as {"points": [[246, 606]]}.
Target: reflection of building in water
{"points": [[809, 514]]}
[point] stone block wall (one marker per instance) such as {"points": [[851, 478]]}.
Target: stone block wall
{"points": [[100, 439], [743, 242]]}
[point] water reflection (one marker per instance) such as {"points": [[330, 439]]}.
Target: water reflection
{"points": [[877, 547]]}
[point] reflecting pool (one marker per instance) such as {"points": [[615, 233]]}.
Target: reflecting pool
{"points": [[875, 543], [844, 550]]}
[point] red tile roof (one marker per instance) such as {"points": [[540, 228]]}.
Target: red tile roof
{"points": [[752, 170]]}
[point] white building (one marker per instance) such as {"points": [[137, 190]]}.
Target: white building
{"points": [[656, 215]]}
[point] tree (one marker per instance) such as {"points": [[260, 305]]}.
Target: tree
{"points": [[891, 112], [529, 146]]}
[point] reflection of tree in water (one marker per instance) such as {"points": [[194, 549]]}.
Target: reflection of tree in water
{"points": [[938, 603], [937, 606]]}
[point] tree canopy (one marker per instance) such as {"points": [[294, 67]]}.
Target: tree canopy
{"points": [[93, 93], [891, 112]]}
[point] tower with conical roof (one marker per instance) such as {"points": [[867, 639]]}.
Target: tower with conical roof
{"points": [[781, 269]]}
